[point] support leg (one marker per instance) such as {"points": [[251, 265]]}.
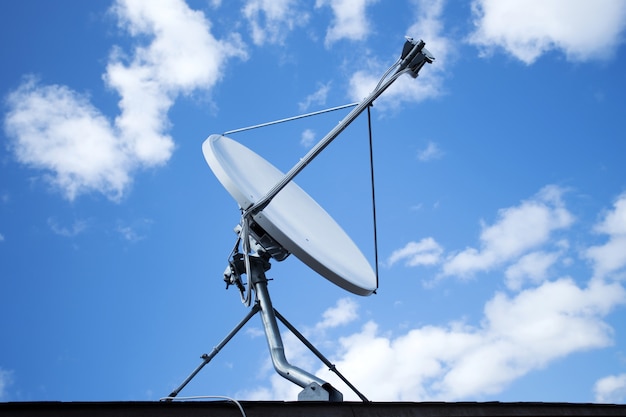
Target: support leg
{"points": [[319, 355], [207, 357]]}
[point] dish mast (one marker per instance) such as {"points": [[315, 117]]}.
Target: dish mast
{"points": [[271, 227]]}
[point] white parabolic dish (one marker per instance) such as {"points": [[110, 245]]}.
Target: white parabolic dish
{"points": [[292, 218]]}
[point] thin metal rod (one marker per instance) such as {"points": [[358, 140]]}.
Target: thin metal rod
{"points": [[289, 119], [207, 357], [319, 354], [369, 126]]}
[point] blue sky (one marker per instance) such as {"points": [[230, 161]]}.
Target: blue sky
{"points": [[500, 183]]}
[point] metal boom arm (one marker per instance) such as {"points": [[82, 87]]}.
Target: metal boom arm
{"points": [[413, 58]]}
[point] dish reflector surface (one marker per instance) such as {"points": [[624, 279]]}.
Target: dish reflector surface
{"points": [[292, 218]]}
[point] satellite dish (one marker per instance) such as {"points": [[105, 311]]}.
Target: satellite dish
{"points": [[279, 218], [293, 219]]}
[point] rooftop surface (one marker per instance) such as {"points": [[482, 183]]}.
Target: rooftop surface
{"points": [[296, 409]]}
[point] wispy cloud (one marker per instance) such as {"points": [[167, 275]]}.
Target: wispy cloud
{"points": [[318, 97], [350, 19], [75, 229], [136, 231], [427, 26], [432, 151], [424, 252], [271, 20], [527, 29], [57, 130]]}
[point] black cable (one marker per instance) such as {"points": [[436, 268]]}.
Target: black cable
{"points": [[369, 126]]}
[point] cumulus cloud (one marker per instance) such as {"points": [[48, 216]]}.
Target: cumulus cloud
{"points": [[57, 130], [349, 21], [611, 389], [271, 20], [425, 252], [611, 257], [521, 238], [80, 150], [521, 331], [517, 230], [581, 29], [427, 26], [344, 312], [517, 335]]}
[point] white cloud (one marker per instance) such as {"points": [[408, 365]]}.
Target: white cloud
{"points": [[350, 19], [344, 312], [404, 90], [318, 97], [1, 237], [271, 20], [432, 151], [611, 389], [425, 252], [526, 29], [532, 267], [611, 256], [428, 27], [308, 137], [59, 131], [517, 335], [6, 379], [516, 231]]}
